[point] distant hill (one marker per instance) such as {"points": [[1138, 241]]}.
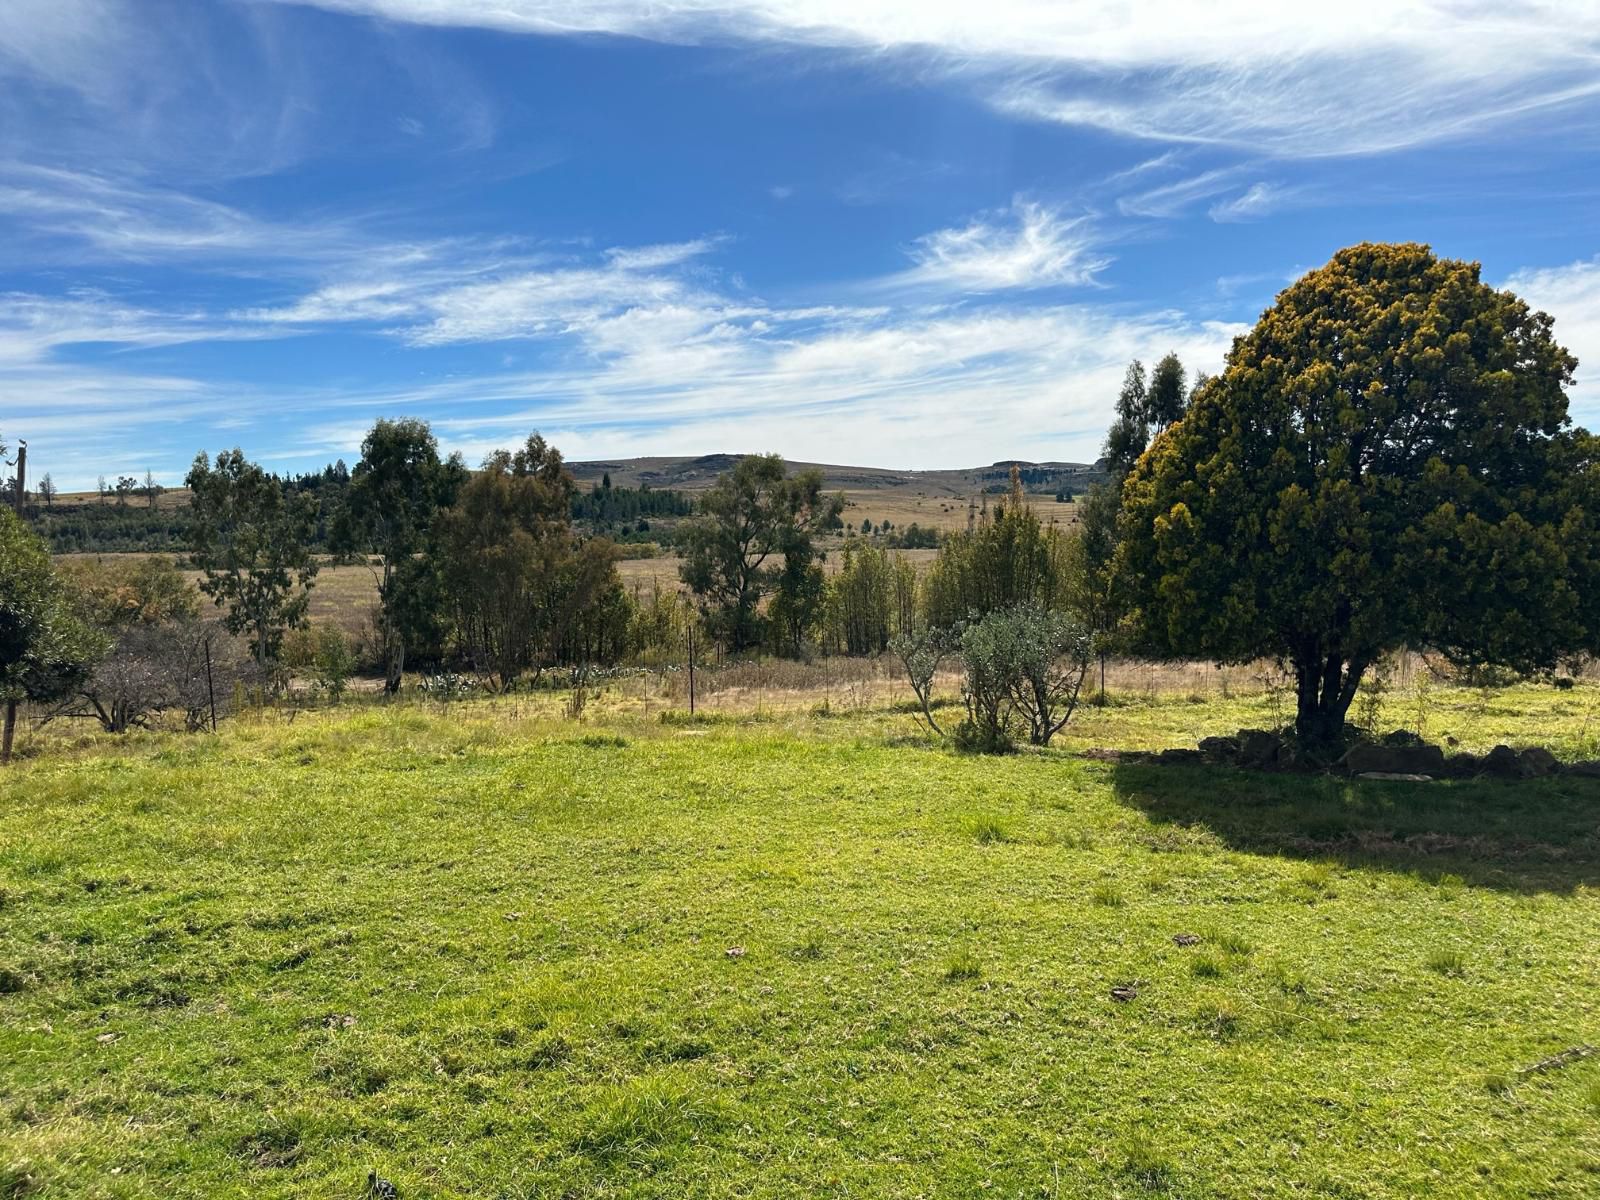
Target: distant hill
{"points": [[692, 474]]}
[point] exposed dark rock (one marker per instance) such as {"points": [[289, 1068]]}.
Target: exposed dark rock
{"points": [[1462, 766], [1504, 762], [1366, 758], [1402, 737], [1538, 762], [1258, 748], [1180, 758], [1221, 749], [1585, 770]]}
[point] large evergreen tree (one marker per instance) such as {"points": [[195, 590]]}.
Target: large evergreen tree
{"points": [[1386, 461], [518, 578]]}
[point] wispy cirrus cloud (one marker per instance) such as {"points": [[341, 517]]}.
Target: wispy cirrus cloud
{"points": [[1028, 246], [1172, 198], [64, 215], [1295, 81], [209, 92], [1256, 201]]}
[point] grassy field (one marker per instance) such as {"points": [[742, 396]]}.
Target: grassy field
{"points": [[790, 949]]}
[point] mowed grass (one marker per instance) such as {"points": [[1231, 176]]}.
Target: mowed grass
{"points": [[491, 955]]}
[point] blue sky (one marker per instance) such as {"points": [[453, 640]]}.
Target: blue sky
{"points": [[910, 233]]}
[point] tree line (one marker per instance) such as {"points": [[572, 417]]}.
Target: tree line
{"points": [[1385, 462], [126, 517]]}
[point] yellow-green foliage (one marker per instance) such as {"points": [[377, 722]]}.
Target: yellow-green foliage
{"points": [[1385, 462]]}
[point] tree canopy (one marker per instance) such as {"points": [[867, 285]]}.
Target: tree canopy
{"points": [[751, 514], [44, 649], [397, 489], [253, 543], [1386, 461], [517, 576]]}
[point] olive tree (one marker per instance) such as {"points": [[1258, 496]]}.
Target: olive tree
{"points": [[1025, 668]]}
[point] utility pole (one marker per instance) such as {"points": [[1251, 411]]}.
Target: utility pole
{"points": [[10, 733], [211, 690], [691, 668]]}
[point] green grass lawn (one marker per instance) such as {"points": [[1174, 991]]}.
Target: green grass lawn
{"points": [[497, 957]]}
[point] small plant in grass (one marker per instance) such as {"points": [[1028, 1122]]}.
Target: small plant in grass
{"points": [[988, 831], [1369, 701], [1497, 1084], [334, 662], [18, 1179], [1312, 884], [1206, 965], [643, 1113], [1143, 1162], [1445, 961], [1107, 895], [1219, 1017], [1288, 980], [921, 653], [962, 966], [1232, 943]]}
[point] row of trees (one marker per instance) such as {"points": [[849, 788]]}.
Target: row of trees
{"points": [[1387, 461], [485, 564]]}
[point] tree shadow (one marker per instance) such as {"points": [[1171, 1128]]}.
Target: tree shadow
{"points": [[1528, 836]]}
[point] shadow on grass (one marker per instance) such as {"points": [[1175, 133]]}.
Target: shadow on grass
{"points": [[1534, 836]]}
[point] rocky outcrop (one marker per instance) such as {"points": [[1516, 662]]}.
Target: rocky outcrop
{"points": [[1399, 755], [1369, 757]]}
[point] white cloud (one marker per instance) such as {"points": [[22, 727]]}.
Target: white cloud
{"points": [[62, 214], [1295, 80], [1170, 199], [1571, 294], [1257, 200], [1030, 246], [34, 327], [212, 92], [647, 258]]}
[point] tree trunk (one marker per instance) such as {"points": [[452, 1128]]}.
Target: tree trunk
{"points": [[10, 731], [396, 666], [1325, 685]]}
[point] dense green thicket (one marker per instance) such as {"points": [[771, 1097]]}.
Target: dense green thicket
{"points": [[110, 528], [1008, 559]]}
